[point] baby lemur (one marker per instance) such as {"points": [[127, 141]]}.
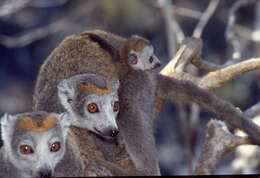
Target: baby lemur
{"points": [[34, 143]]}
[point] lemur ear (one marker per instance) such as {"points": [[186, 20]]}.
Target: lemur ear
{"points": [[6, 119], [116, 84], [65, 122], [66, 92], [7, 123]]}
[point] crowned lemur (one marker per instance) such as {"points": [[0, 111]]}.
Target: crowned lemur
{"points": [[34, 144]]}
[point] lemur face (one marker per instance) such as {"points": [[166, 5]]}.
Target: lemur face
{"points": [[92, 102], [144, 59], [34, 142]]}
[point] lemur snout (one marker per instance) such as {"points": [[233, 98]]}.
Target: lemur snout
{"points": [[114, 133], [157, 65], [111, 132], [45, 173]]}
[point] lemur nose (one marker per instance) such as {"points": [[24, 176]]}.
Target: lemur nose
{"points": [[157, 65], [114, 132], [46, 173]]}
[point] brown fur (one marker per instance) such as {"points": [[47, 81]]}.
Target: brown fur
{"points": [[94, 89], [78, 54], [28, 124]]}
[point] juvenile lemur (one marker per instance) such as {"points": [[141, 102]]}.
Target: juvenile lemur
{"points": [[34, 143]]}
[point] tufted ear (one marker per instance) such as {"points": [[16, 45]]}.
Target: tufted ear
{"points": [[66, 93], [65, 122], [7, 126], [116, 84]]}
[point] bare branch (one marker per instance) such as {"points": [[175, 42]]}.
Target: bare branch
{"points": [[172, 28], [36, 34], [230, 35], [189, 49], [253, 110], [247, 33], [187, 12], [12, 6], [217, 79], [219, 141], [204, 18]]}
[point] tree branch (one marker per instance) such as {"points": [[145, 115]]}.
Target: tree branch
{"points": [[217, 79], [204, 18], [219, 141], [230, 35]]}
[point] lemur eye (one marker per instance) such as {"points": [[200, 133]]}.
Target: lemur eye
{"points": [[55, 147], [132, 58], [69, 100], [116, 106], [26, 149], [92, 108], [151, 59]]}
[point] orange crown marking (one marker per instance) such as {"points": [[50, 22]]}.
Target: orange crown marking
{"points": [[30, 125], [94, 89]]}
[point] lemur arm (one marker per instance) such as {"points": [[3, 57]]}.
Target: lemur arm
{"points": [[105, 45], [172, 89]]}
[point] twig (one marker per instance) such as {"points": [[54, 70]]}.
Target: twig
{"points": [[12, 6], [172, 28], [253, 110], [248, 34], [187, 12], [230, 35], [35, 34], [219, 141], [204, 18]]}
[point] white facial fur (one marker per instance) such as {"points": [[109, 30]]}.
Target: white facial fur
{"points": [[42, 159], [143, 62], [98, 122]]}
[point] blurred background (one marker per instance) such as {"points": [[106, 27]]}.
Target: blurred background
{"points": [[31, 29]]}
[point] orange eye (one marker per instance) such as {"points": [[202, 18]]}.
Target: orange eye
{"points": [[92, 108], [26, 149], [116, 106], [55, 147]]}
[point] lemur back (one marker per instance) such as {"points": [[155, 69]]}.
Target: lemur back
{"points": [[34, 143], [135, 120]]}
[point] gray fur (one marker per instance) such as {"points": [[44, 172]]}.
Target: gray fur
{"points": [[15, 164], [99, 122], [135, 120]]}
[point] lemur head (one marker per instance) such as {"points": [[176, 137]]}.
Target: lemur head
{"points": [[92, 102], [141, 54], [34, 142]]}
